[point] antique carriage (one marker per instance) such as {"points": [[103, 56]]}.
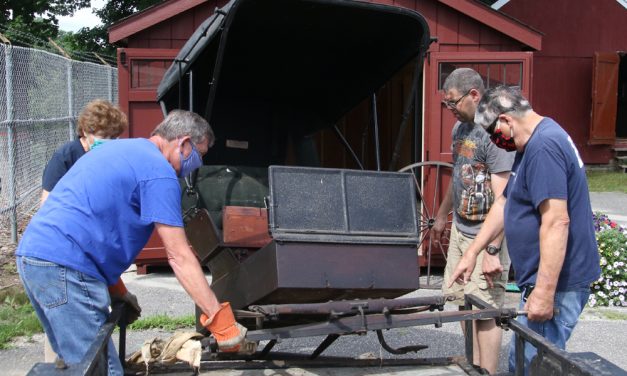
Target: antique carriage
{"points": [[300, 250]]}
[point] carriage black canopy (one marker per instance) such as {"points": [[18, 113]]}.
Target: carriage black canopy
{"points": [[260, 68]]}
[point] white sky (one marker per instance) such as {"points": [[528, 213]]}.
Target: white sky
{"points": [[82, 18]]}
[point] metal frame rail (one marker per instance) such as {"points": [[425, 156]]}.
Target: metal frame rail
{"points": [[550, 360], [95, 360]]}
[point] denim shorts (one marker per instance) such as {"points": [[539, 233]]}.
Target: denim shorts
{"points": [[71, 306], [558, 329]]}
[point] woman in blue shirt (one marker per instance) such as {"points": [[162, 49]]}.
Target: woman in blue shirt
{"points": [[99, 121]]}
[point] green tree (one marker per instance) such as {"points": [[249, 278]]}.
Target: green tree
{"points": [[96, 38], [36, 17], [32, 22]]}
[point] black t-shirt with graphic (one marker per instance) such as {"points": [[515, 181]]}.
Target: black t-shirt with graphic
{"points": [[475, 157]]}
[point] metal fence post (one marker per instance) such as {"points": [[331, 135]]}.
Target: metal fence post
{"points": [[11, 141], [70, 100], [25, 125], [110, 81]]}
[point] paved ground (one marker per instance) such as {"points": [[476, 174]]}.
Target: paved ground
{"points": [[611, 203], [160, 293]]}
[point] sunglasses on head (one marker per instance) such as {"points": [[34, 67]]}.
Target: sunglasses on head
{"points": [[490, 129]]}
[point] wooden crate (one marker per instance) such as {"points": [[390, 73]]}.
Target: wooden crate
{"points": [[245, 227]]}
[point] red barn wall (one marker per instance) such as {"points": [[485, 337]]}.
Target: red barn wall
{"points": [[455, 31], [174, 32], [562, 84]]}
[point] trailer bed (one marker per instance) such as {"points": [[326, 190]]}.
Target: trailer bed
{"points": [[331, 366]]}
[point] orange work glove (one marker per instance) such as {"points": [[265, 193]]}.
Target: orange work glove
{"points": [[228, 333], [118, 292]]}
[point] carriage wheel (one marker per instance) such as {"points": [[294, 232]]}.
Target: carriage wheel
{"points": [[429, 179]]}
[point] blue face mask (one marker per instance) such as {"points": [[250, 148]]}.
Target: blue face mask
{"points": [[189, 164], [97, 142]]}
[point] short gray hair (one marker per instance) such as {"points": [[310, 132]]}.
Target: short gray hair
{"points": [[499, 100], [464, 79], [181, 123]]}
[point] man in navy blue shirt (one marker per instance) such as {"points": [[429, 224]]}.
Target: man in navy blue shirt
{"points": [[546, 213]]}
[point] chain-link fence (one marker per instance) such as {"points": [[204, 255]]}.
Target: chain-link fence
{"points": [[41, 95]]}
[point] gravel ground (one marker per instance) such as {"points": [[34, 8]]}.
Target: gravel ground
{"points": [[160, 293]]}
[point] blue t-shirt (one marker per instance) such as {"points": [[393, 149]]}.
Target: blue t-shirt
{"points": [[550, 168], [61, 161], [102, 212]]}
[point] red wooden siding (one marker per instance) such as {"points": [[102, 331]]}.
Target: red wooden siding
{"points": [[456, 32], [562, 82], [174, 32], [357, 129]]}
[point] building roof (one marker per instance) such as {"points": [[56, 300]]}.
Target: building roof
{"points": [[498, 20], [472, 8], [149, 17]]}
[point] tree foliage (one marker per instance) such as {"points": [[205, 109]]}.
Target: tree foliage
{"points": [[37, 17], [96, 38]]}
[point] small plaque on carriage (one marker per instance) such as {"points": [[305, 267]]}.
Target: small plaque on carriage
{"points": [[237, 144]]}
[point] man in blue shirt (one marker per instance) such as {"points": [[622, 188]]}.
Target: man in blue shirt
{"points": [[546, 213], [98, 218], [98, 122]]}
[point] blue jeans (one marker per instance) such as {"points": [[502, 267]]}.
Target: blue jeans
{"points": [[558, 329], [71, 306]]}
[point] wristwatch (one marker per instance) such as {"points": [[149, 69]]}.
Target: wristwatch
{"points": [[493, 250]]}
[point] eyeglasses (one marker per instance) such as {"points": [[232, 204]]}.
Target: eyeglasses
{"points": [[453, 104]]}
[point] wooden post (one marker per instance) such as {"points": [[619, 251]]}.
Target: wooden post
{"points": [[4, 39], [101, 59], [59, 48]]}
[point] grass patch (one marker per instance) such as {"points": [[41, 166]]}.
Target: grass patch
{"points": [[163, 322], [604, 313], [607, 181], [614, 315], [17, 318]]}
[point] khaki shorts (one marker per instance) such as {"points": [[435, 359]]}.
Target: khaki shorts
{"points": [[477, 285]]}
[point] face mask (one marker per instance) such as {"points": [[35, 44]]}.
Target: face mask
{"points": [[97, 142], [502, 141], [189, 164]]}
